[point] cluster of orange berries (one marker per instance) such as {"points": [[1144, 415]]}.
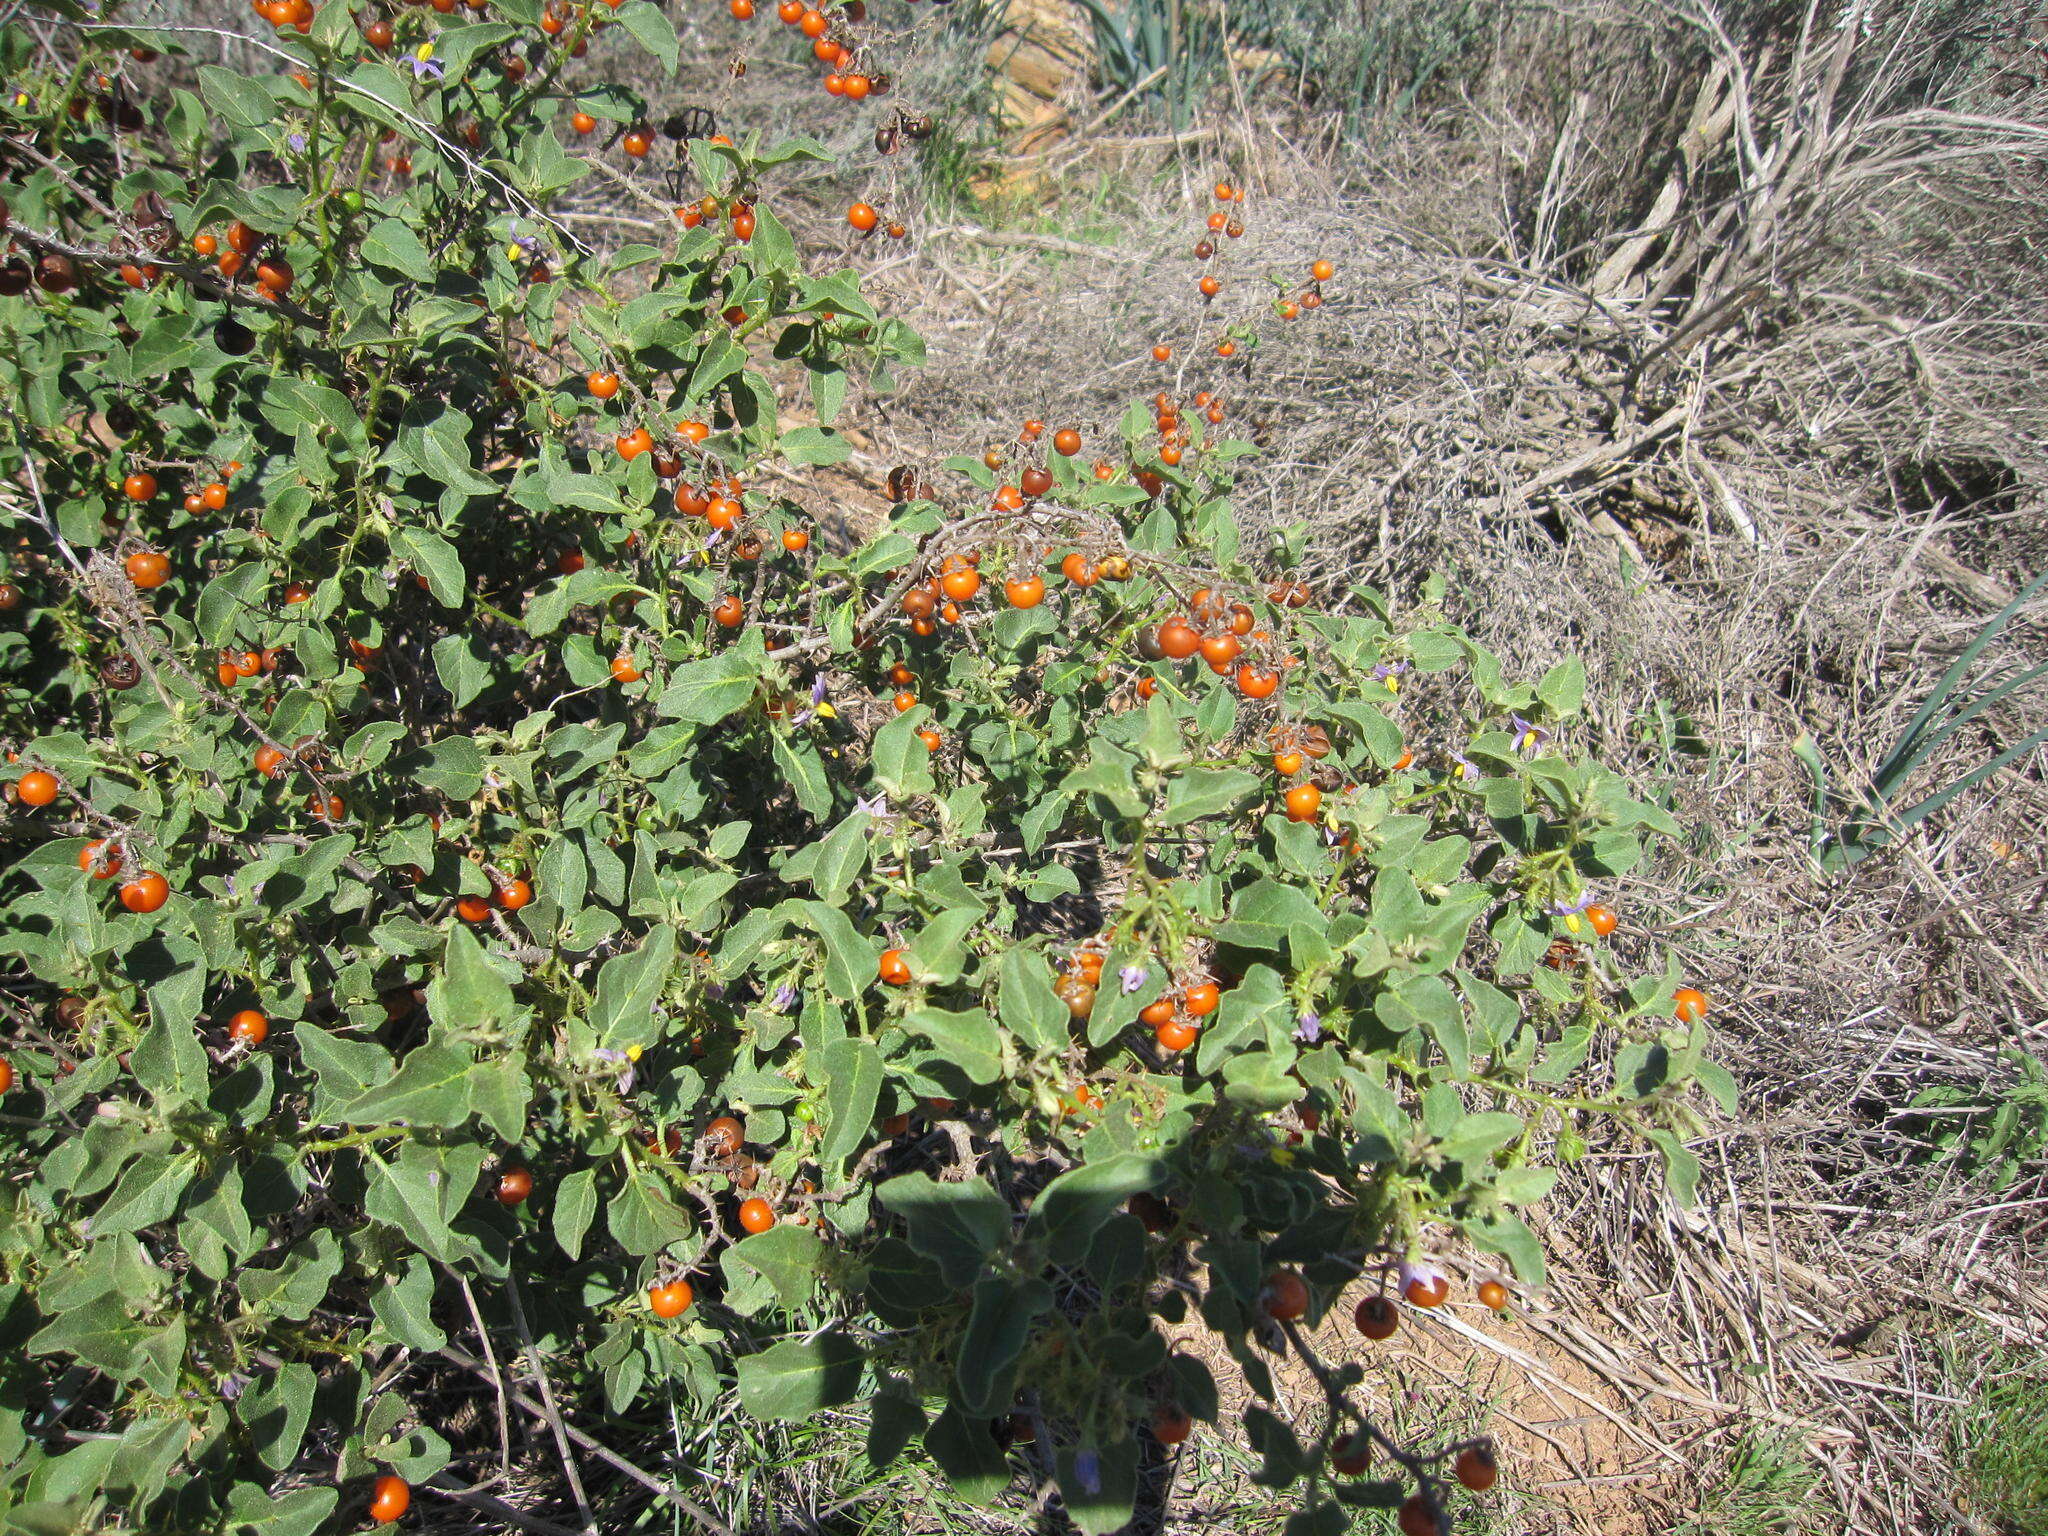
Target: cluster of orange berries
{"points": [[847, 75], [101, 858], [296, 14], [1311, 296], [1077, 984], [1218, 629], [1222, 222], [273, 273], [211, 497], [234, 666], [1172, 1019], [1172, 425], [738, 214], [508, 894], [555, 19], [637, 141], [864, 219]]}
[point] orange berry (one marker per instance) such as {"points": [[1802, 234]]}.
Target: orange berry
{"points": [[674, 1298]]}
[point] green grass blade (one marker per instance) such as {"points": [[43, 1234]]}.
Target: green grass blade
{"points": [[1963, 717], [1907, 752], [1858, 847]]}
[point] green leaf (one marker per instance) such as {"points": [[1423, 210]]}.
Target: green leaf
{"points": [[799, 1377], [295, 1287], [1477, 1137], [1262, 913], [644, 1219], [957, 1225], [434, 558], [242, 101], [1102, 1504], [787, 1256], [902, 764], [850, 957], [998, 1326], [628, 986], [276, 1410], [815, 445], [804, 771], [1507, 1234], [575, 1208], [1427, 1004], [967, 1453], [1563, 689], [705, 692], [254, 1510], [1524, 1186], [893, 1422], [1070, 1209], [405, 1306], [169, 1061], [1681, 1167], [841, 857], [939, 950], [967, 1040], [721, 358], [1109, 772], [393, 247], [1029, 1007], [1204, 792], [652, 30], [228, 598], [421, 1191], [853, 1090]]}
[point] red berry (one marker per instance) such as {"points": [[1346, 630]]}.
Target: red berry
{"points": [[670, 1300], [514, 1185], [1285, 1295], [391, 1498]]}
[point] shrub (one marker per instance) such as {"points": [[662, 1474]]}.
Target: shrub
{"points": [[487, 834]]}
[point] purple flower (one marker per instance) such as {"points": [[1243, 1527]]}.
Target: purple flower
{"points": [[529, 245], [1088, 1470], [427, 68], [817, 698], [297, 141], [1411, 1271], [231, 1385], [1467, 769], [1132, 977], [784, 999], [1308, 1027], [878, 809], [1529, 736], [1572, 908], [1387, 671], [627, 1077]]}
